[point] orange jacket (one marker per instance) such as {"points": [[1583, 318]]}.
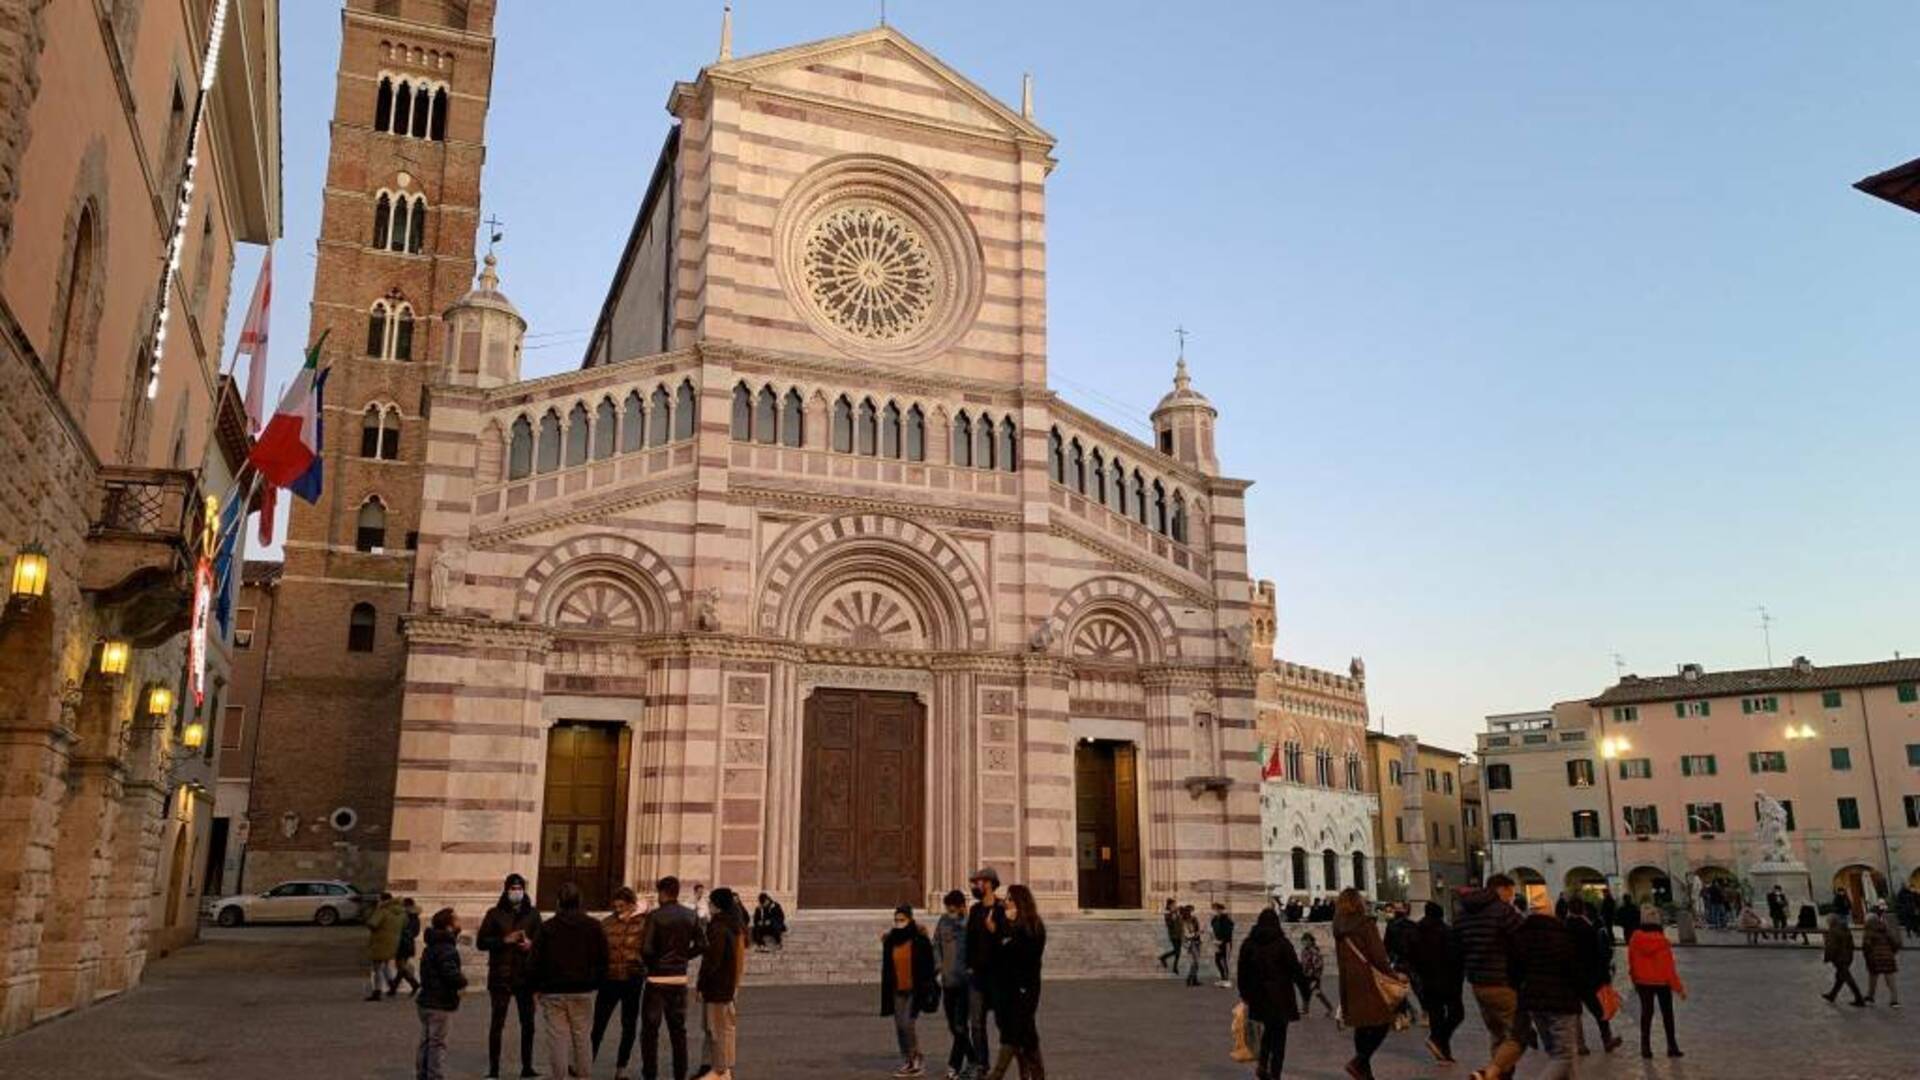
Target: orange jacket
{"points": [[1650, 960]]}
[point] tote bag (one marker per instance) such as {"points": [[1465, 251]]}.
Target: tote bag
{"points": [[1392, 988]]}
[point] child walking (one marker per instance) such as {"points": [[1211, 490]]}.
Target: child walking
{"points": [[439, 994], [1315, 965]]}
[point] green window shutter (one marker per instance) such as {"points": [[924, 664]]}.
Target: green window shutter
{"points": [[1830, 699], [1680, 709], [1713, 765], [1706, 708], [1753, 761], [1908, 692], [1746, 705], [1686, 766]]}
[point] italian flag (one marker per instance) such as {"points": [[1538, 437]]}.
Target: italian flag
{"points": [[287, 453]]}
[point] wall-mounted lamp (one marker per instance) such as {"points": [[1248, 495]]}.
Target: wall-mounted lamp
{"points": [[194, 735], [113, 656], [159, 701], [28, 581]]}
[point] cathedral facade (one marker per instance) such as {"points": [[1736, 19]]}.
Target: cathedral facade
{"points": [[806, 581]]}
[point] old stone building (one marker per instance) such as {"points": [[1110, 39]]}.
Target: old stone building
{"points": [[112, 445], [398, 215], [1317, 804], [805, 581]]}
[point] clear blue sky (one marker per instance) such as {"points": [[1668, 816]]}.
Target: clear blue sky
{"points": [[1546, 331]]}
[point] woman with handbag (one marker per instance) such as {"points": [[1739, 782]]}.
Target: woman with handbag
{"points": [[1270, 975], [1370, 991]]}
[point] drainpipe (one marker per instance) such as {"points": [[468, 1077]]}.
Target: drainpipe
{"points": [[1873, 773]]}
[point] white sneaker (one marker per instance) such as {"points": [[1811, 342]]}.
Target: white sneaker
{"points": [[1224, 984]]}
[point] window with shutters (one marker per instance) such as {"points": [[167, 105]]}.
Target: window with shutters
{"points": [[1849, 812], [1505, 827], [1699, 765], [1766, 761], [1499, 777], [1580, 772], [1586, 824], [1706, 818]]}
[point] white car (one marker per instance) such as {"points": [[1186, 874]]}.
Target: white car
{"points": [[323, 903]]}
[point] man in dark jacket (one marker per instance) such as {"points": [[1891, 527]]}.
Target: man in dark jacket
{"points": [[403, 971], [438, 993], [569, 962], [1548, 970], [1398, 940], [1483, 937], [1437, 978], [723, 960], [950, 952], [672, 939], [1222, 927], [1596, 946], [506, 936], [1170, 918], [1269, 976], [986, 925]]}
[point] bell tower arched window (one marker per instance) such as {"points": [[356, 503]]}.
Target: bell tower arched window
{"points": [[633, 423], [660, 417], [684, 410], [866, 429], [1159, 508], [578, 435], [766, 416], [742, 413], [793, 419], [983, 453], [843, 424], [916, 434], [370, 525], [1177, 527], [1139, 497], [549, 448], [360, 624], [1056, 457], [890, 431], [1009, 445], [1099, 477], [1076, 467], [382, 219], [520, 449], [962, 439], [1119, 486], [604, 429], [380, 432], [390, 330]]}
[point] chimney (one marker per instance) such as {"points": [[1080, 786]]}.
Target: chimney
{"points": [[1691, 672]]}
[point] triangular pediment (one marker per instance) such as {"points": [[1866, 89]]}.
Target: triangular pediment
{"points": [[882, 71]]}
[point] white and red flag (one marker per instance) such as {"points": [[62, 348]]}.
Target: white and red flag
{"points": [[253, 343]]}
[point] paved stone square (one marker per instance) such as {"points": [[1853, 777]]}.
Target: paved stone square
{"points": [[268, 1002]]}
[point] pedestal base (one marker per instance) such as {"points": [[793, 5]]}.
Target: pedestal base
{"points": [[1795, 881]]}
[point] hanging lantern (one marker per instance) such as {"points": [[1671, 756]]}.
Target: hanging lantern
{"points": [[194, 736], [113, 657], [29, 579], [160, 701]]}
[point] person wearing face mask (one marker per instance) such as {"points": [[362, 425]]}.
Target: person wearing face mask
{"points": [[506, 936], [1016, 985], [986, 920], [909, 985]]}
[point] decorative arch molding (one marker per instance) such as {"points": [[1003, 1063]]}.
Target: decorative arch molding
{"points": [[916, 565], [598, 558], [74, 323], [1114, 600]]}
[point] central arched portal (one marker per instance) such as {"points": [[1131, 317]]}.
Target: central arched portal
{"points": [[862, 799]]}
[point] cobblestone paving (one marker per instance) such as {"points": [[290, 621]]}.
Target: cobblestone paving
{"points": [[259, 1002]]}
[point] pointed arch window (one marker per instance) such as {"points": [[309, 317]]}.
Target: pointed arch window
{"points": [[380, 432], [793, 419], [382, 220], [1119, 486], [390, 330], [742, 413], [604, 429], [766, 416], [360, 624], [1177, 526], [1139, 497], [843, 424], [962, 439], [73, 315], [633, 423], [383, 105], [866, 429], [548, 458], [983, 452], [417, 232], [370, 525], [422, 110], [377, 330], [403, 333], [1300, 868], [890, 431], [1330, 870], [403, 108], [1076, 467], [660, 418], [1359, 870], [683, 410], [916, 434], [1056, 457], [1009, 445], [1159, 508], [438, 130], [579, 437], [520, 449], [1099, 468]]}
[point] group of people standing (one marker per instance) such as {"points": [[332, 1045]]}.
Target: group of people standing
{"points": [[577, 972], [1531, 976], [1185, 940], [981, 959]]}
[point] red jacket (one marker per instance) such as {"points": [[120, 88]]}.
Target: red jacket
{"points": [[1650, 960]]}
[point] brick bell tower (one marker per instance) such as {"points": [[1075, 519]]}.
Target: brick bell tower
{"points": [[396, 249]]}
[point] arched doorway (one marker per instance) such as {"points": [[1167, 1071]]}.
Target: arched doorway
{"points": [[1533, 886], [1649, 885], [1585, 882], [1862, 885]]}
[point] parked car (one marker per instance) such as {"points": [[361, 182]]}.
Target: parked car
{"points": [[323, 903]]}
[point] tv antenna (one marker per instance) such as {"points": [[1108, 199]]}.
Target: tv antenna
{"points": [[1766, 631]]}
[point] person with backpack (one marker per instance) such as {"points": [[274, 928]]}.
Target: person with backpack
{"points": [[1222, 927], [438, 994], [403, 971], [909, 985], [506, 936], [568, 964], [950, 952], [1269, 976]]}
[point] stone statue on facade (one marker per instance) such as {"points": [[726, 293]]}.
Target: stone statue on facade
{"points": [[440, 576], [1771, 832], [706, 616], [1357, 669], [1042, 639], [1240, 639]]}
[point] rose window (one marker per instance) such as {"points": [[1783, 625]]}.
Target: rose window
{"points": [[870, 272]]}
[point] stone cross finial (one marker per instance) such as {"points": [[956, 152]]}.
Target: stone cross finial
{"points": [[726, 32], [1026, 96]]}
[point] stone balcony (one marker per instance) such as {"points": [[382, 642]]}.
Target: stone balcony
{"points": [[141, 546]]}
